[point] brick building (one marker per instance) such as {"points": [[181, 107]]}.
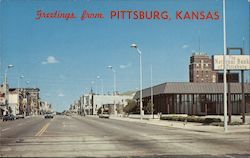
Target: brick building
{"points": [[200, 69]]}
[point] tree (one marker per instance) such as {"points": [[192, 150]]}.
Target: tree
{"points": [[148, 108], [131, 107], [119, 108]]}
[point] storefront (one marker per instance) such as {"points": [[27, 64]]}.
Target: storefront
{"points": [[195, 98]]}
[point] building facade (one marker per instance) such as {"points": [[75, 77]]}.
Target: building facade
{"points": [[201, 69], [90, 103], [195, 98]]}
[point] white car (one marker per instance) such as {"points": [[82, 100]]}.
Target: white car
{"points": [[104, 115], [49, 115]]}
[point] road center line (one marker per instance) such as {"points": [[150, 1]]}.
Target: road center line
{"points": [[43, 129]]}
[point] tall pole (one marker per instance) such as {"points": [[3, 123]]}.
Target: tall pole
{"points": [[140, 82], [102, 86], [140, 54], [114, 94], [99, 77], [114, 91], [152, 101], [224, 66], [6, 91], [18, 91], [5, 83]]}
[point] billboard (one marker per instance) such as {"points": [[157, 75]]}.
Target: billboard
{"points": [[233, 62]]}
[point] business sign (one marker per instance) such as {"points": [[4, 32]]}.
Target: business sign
{"points": [[233, 62]]}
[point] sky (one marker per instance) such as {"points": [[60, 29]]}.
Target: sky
{"points": [[64, 57]]}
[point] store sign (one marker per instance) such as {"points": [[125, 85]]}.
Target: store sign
{"points": [[233, 62]]}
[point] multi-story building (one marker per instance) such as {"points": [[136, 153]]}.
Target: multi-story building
{"points": [[33, 100], [4, 91], [13, 99], [200, 69], [45, 107]]}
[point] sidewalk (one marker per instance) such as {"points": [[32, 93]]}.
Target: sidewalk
{"points": [[199, 127]]}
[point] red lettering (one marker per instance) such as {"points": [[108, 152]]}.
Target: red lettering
{"points": [[164, 15], [38, 14], [156, 15], [202, 14], [209, 16], [112, 14], [216, 15], [135, 14], [178, 15], [186, 16]]}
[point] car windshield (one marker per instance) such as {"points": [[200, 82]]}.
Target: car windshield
{"points": [[125, 78]]}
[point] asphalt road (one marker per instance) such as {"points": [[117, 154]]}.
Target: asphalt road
{"points": [[66, 136]]}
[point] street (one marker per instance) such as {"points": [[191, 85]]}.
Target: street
{"points": [[66, 136]]}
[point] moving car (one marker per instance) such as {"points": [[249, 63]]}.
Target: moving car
{"points": [[48, 115], [8, 117]]}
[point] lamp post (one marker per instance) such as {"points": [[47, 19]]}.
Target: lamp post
{"points": [[5, 83], [18, 90], [140, 55], [152, 93], [26, 112], [92, 86], [99, 77], [110, 67], [224, 65]]}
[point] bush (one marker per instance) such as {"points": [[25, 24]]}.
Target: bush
{"points": [[191, 119], [236, 123], [210, 120]]}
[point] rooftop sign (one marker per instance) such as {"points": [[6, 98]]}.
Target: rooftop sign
{"points": [[233, 62]]}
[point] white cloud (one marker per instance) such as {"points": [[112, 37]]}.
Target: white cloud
{"points": [[60, 95], [185, 46], [50, 60], [125, 66]]}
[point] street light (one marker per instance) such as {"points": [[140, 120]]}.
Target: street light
{"points": [[92, 84], [99, 77], [6, 71], [224, 65], [5, 83], [140, 55], [18, 89], [110, 67]]}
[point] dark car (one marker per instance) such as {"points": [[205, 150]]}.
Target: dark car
{"points": [[8, 117]]}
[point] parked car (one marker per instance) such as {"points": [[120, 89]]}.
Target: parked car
{"points": [[9, 117], [48, 115], [20, 116]]}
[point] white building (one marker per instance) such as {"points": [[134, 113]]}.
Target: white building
{"points": [[90, 103], [13, 103]]}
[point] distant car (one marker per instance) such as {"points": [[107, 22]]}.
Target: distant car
{"points": [[104, 115], [8, 117], [49, 115], [20, 116]]}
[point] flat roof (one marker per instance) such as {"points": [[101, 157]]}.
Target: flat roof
{"points": [[191, 88]]}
